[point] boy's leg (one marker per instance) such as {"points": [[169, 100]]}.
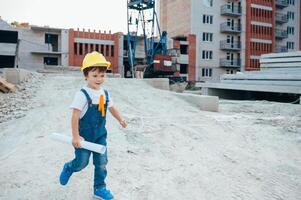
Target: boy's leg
{"points": [[100, 191], [80, 161], [100, 172]]}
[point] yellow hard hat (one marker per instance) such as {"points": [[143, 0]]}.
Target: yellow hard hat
{"points": [[95, 59]]}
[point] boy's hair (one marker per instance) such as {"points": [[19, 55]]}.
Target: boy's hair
{"points": [[99, 69]]}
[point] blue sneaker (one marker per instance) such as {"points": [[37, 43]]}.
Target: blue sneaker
{"points": [[103, 194], [65, 175]]}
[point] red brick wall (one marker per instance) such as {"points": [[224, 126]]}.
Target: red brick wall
{"points": [[76, 58], [192, 58], [274, 27], [264, 2], [248, 34], [262, 15], [259, 32], [116, 53]]}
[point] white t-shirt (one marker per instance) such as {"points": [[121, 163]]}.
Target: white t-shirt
{"points": [[80, 100]]}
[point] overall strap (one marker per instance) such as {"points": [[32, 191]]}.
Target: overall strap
{"points": [[87, 96], [107, 97]]}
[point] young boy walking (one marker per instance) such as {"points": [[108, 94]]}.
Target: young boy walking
{"points": [[88, 123]]}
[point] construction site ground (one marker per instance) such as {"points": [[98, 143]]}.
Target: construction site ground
{"points": [[249, 150]]}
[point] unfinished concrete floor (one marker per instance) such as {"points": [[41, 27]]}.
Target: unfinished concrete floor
{"points": [[170, 150]]}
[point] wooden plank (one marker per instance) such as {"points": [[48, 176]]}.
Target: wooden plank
{"points": [[3, 89], [6, 86]]}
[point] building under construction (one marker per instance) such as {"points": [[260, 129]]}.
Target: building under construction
{"points": [[231, 35], [36, 47], [215, 38]]}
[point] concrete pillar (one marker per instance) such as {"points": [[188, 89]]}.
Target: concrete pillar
{"points": [[118, 51], [65, 47], [71, 47], [77, 49], [203, 102], [89, 49], [109, 46], [84, 49]]}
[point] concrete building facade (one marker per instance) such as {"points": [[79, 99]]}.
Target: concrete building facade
{"points": [[36, 47], [42, 46], [232, 34], [32, 47], [9, 37]]}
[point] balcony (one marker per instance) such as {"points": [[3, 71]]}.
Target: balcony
{"points": [[281, 34], [281, 18], [43, 49], [281, 3], [230, 28], [235, 63], [234, 46], [281, 49], [233, 11]]}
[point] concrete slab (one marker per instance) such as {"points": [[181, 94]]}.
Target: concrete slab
{"points": [[206, 103], [159, 83], [250, 87], [278, 78], [198, 92], [16, 76]]}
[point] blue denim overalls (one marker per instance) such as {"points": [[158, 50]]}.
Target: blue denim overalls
{"points": [[92, 129]]}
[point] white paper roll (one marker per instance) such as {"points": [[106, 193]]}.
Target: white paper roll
{"points": [[85, 145]]}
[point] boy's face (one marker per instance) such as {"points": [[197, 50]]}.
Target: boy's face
{"points": [[95, 78]]}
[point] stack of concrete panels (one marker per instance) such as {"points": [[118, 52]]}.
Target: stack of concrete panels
{"points": [[281, 73], [203, 102], [159, 83]]}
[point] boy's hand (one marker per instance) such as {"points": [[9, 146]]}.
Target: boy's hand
{"points": [[76, 141], [123, 123]]}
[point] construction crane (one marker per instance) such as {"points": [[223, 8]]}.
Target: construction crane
{"points": [[143, 22]]}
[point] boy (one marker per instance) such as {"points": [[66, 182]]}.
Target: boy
{"points": [[88, 123]]}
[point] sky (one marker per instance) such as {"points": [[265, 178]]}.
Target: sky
{"points": [[101, 15]]}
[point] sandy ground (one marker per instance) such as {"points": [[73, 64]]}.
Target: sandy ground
{"points": [[170, 150]]}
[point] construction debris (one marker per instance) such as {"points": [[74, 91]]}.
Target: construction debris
{"points": [[13, 105], [6, 86]]}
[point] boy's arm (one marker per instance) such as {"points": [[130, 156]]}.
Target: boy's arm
{"points": [[113, 110], [76, 138]]}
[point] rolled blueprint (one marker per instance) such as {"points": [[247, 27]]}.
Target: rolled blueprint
{"points": [[98, 148]]}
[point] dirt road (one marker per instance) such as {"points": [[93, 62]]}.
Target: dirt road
{"points": [[170, 150]]}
